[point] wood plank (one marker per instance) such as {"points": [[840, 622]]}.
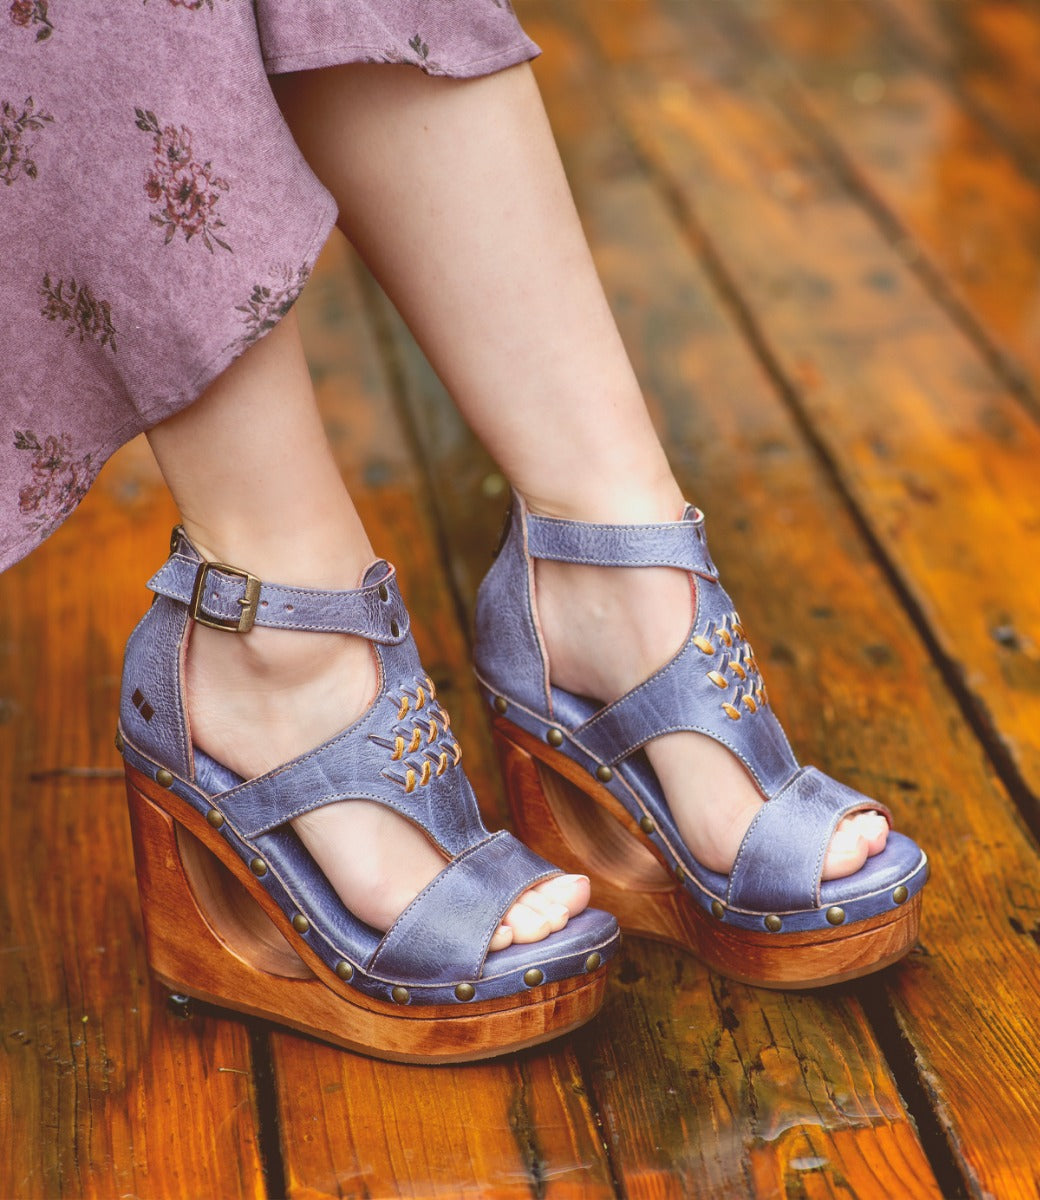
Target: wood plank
{"points": [[353, 1126], [988, 51], [968, 211], [704, 1088], [102, 1091], [897, 397]]}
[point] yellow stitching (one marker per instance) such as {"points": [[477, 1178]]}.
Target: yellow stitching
{"points": [[703, 645], [725, 637], [403, 709], [432, 736], [430, 688], [409, 777], [420, 697], [413, 745], [718, 680], [456, 750], [398, 749], [738, 670], [442, 763], [731, 712], [424, 778], [749, 703]]}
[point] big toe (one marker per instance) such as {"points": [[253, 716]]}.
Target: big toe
{"points": [[846, 854]]}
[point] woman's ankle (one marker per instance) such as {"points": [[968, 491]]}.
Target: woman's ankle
{"points": [[609, 500], [260, 699]]}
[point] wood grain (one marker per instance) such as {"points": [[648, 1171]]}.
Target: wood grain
{"points": [[897, 397], [378, 1129], [103, 1092], [676, 1125]]}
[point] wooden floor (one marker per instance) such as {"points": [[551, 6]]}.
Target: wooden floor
{"points": [[819, 225]]}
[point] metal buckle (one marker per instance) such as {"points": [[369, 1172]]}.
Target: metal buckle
{"points": [[249, 601]]}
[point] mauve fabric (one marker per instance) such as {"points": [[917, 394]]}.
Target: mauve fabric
{"points": [[156, 216]]}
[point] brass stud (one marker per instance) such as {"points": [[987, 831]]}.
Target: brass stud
{"points": [[501, 704], [554, 737], [703, 645], [731, 712], [646, 824], [384, 592], [465, 991], [604, 774], [593, 961], [400, 995], [533, 977], [835, 915], [718, 910], [773, 923], [119, 741], [300, 923], [215, 817], [164, 778], [395, 629], [718, 679], [901, 894], [345, 971], [258, 867]]}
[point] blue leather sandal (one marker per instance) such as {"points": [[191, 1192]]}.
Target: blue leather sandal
{"points": [[236, 911], [582, 791]]}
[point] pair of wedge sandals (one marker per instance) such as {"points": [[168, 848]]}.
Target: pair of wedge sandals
{"points": [[237, 913]]}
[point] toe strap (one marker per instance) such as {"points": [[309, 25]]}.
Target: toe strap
{"points": [[443, 935], [780, 860]]}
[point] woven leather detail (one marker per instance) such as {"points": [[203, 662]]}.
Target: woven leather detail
{"points": [[420, 744]]}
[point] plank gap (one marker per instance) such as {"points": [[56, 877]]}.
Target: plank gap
{"points": [[915, 49], [919, 1098], [732, 299], [268, 1133], [798, 113]]}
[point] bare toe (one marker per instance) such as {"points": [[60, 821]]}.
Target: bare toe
{"points": [[846, 855], [874, 827], [572, 891], [502, 937], [527, 924], [554, 912]]}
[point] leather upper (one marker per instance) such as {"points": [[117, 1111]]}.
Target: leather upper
{"points": [[713, 685], [400, 753]]}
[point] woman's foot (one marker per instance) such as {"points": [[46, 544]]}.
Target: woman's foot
{"points": [[258, 701], [606, 630]]}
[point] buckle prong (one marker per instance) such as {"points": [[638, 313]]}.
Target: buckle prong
{"points": [[249, 602]]}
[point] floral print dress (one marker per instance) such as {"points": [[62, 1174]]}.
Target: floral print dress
{"points": [[156, 217]]}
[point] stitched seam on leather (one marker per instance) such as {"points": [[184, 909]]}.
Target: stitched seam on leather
{"points": [[440, 878]]}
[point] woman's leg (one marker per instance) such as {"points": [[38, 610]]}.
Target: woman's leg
{"points": [[454, 194], [257, 487]]}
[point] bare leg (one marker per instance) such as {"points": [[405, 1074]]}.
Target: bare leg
{"points": [[253, 476], [454, 194]]}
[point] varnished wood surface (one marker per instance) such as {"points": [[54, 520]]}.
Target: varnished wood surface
{"points": [[817, 224]]}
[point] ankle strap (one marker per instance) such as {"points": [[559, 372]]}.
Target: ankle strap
{"points": [[674, 544], [228, 598]]}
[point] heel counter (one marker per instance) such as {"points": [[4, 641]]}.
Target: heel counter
{"points": [[508, 651], [151, 710]]}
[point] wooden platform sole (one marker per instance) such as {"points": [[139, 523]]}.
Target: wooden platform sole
{"points": [[209, 938], [565, 815]]}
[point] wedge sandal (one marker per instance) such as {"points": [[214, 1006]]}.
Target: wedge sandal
{"points": [[581, 789], [237, 913]]}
